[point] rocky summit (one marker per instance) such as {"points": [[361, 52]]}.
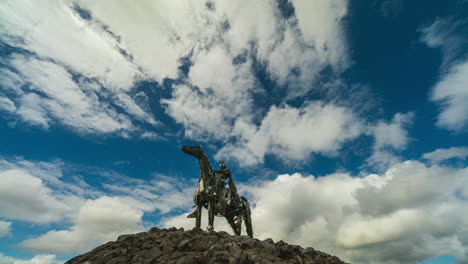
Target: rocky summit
{"points": [[196, 246]]}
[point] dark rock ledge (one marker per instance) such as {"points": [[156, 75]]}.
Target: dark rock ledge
{"points": [[196, 246]]}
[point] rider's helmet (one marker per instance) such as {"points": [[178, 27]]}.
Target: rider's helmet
{"points": [[221, 164]]}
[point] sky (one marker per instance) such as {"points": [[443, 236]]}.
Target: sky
{"points": [[344, 122]]}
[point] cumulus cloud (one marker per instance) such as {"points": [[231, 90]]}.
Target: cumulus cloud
{"points": [[25, 197], [42, 193], [221, 81], [322, 29], [80, 62], [407, 214], [393, 134], [38, 259], [221, 42], [105, 218], [439, 155], [97, 221], [5, 228], [216, 100], [389, 137], [294, 133]]}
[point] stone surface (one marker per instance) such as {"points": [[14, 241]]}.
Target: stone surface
{"points": [[196, 246]]}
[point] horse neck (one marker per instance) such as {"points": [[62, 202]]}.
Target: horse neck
{"points": [[205, 166]]}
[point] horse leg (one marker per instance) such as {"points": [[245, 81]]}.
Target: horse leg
{"points": [[210, 216], [247, 217], [233, 225], [239, 224], [198, 216], [248, 224]]}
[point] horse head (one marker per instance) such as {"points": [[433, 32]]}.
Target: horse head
{"points": [[196, 151]]}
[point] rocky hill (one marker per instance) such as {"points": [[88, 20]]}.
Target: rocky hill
{"points": [[196, 246]]}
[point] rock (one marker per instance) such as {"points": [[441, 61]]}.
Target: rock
{"points": [[176, 246], [154, 230], [123, 238], [186, 242]]}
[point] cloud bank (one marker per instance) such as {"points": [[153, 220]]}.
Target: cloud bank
{"points": [[38, 259], [411, 212], [294, 133], [79, 64], [37, 192]]}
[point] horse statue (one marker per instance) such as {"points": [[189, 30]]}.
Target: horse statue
{"points": [[217, 196]]}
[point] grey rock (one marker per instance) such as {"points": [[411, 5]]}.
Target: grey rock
{"points": [[175, 246], [123, 238]]}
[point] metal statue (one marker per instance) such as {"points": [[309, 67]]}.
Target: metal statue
{"points": [[219, 197]]}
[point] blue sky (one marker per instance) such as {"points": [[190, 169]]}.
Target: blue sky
{"points": [[344, 122]]}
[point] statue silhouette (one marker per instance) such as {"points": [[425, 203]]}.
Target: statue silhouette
{"points": [[218, 196]]}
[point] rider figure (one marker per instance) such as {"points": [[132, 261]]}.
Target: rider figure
{"points": [[225, 174]]}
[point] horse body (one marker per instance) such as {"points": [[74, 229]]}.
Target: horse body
{"points": [[212, 194]]}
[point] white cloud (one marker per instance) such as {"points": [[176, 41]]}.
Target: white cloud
{"points": [[5, 228], [105, 218], [382, 159], [54, 96], [52, 30], [389, 137], [6, 104], [24, 196], [31, 110], [11, 81], [41, 193], [294, 133], [97, 221], [134, 109], [393, 134], [166, 26], [219, 100], [444, 33], [293, 53], [323, 28], [169, 192], [63, 43], [439, 155], [407, 214], [451, 93], [38, 192], [38, 259], [221, 43], [217, 92], [199, 114]]}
